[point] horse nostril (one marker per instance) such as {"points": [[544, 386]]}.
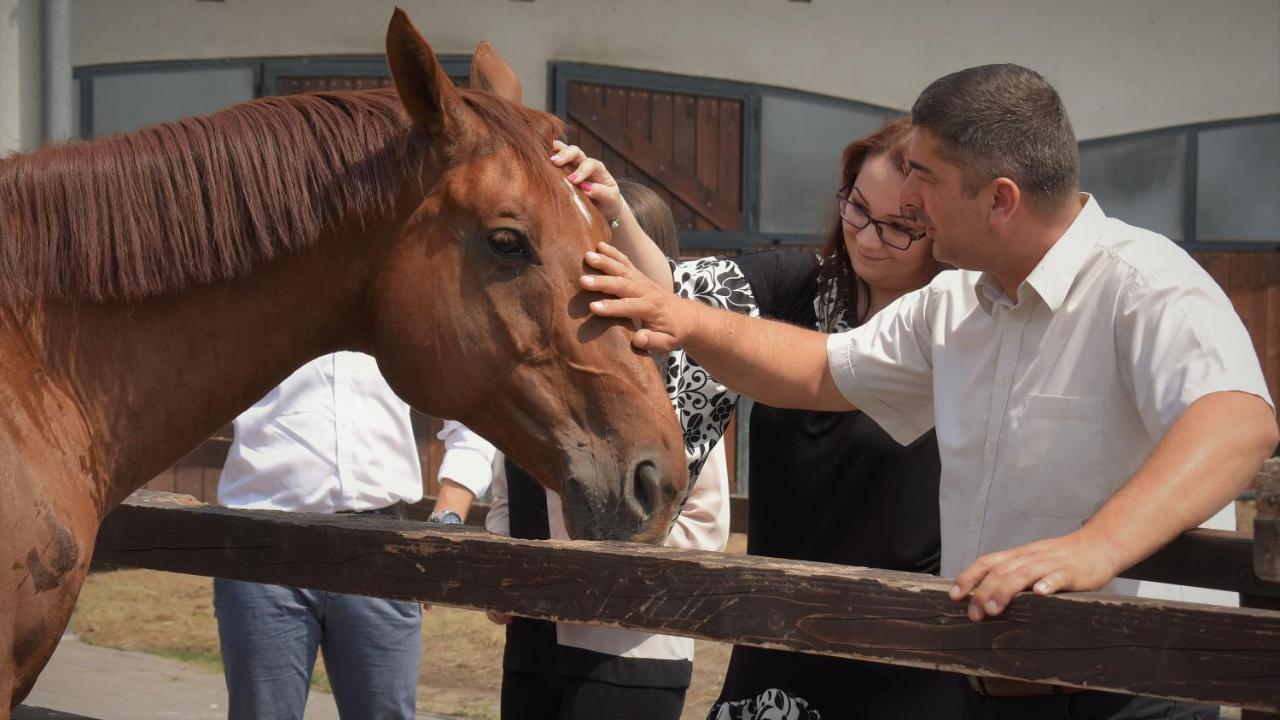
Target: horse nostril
{"points": [[645, 482]]}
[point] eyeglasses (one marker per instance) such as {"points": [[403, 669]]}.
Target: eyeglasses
{"points": [[856, 214]]}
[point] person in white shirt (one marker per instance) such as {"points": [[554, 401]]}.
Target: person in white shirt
{"points": [[1093, 391], [331, 438]]}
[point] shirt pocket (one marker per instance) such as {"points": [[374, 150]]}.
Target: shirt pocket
{"points": [[1056, 470]]}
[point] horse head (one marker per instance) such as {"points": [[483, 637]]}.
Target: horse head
{"points": [[478, 283]]}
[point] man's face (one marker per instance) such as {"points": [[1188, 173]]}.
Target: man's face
{"points": [[955, 222]]}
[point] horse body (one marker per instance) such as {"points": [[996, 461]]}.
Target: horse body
{"points": [[432, 242]]}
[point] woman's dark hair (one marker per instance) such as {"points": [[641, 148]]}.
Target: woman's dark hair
{"points": [[852, 296], [653, 215]]}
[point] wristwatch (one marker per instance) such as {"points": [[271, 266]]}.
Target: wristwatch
{"points": [[448, 517]]}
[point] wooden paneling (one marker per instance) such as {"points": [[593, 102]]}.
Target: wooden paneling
{"points": [[688, 148]]}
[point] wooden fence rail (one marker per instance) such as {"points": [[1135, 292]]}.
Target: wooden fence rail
{"points": [[1178, 650]]}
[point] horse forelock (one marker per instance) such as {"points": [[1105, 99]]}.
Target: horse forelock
{"points": [[525, 132], [201, 199]]}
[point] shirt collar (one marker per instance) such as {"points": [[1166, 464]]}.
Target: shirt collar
{"points": [[1056, 272]]}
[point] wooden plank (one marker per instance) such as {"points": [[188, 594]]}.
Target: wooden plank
{"points": [[684, 148], [707, 161], [613, 115], [1266, 524], [661, 108], [1215, 559], [688, 189], [1179, 650], [730, 160]]}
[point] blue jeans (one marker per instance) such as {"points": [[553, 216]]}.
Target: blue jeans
{"points": [[270, 635]]}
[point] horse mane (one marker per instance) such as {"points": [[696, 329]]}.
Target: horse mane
{"points": [[209, 198]]}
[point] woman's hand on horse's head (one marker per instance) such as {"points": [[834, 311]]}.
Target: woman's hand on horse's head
{"points": [[637, 298], [592, 177]]}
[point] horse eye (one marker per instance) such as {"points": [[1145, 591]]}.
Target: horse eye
{"points": [[509, 244]]}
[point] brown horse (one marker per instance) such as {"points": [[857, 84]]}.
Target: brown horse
{"points": [[154, 284]]}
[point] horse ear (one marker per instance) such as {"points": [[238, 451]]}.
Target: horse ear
{"points": [[490, 72], [424, 88]]}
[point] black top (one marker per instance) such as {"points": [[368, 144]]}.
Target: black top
{"points": [[834, 487]]}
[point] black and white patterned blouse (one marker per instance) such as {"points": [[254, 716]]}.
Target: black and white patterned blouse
{"points": [[830, 487], [703, 405]]}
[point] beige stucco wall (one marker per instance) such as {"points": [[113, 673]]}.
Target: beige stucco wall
{"points": [[1122, 66], [20, 75]]}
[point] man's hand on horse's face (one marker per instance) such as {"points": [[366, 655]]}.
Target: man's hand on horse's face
{"points": [[659, 312], [1075, 562]]}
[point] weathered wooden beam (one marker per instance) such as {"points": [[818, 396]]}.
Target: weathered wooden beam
{"points": [[1266, 525], [1215, 559], [1228, 656]]}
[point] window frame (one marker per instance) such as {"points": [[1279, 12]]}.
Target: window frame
{"points": [[266, 72], [1191, 133]]}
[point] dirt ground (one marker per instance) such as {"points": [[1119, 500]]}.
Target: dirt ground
{"points": [[172, 615]]}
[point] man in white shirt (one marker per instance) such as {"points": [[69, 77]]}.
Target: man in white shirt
{"points": [[331, 438], [1094, 392]]}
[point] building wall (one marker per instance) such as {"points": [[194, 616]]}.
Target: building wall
{"points": [[1121, 66], [20, 76]]}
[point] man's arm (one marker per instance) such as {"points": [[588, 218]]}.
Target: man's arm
{"points": [[778, 364], [1210, 454]]}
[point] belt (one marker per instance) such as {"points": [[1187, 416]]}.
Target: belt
{"points": [[1002, 687], [398, 510]]}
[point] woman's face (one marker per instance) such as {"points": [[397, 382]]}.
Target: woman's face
{"points": [[883, 267]]}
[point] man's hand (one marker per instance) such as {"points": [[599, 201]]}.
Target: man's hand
{"points": [[1075, 562], [664, 317]]}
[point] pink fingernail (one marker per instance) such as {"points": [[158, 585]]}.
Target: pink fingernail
{"points": [[573, 178], [555, 158], [993, 607], [586, 186]]}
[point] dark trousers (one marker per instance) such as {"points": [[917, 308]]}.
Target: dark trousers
{"points": [[552, 696], [1086, 705]]}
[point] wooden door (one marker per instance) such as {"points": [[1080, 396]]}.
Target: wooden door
{"points": [[686, 147]]}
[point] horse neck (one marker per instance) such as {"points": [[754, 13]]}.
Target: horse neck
{"points": [[152, 379]]}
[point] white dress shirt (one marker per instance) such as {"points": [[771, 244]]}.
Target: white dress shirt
{"points": [[1047, 403], [334, 437], [703, 524]]}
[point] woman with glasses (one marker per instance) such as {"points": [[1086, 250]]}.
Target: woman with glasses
{"points": [[834, 487], [830, 487]]}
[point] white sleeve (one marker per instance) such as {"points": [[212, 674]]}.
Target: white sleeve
{"points": [[1179, 339], [703, 523], [885, 366], [468, 458], [498, 521]]}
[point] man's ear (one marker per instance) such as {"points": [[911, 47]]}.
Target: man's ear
{"points": [[425, 90], [490, 72], [1006, 197]]}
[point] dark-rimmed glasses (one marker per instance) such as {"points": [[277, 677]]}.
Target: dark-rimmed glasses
{"points": [[856, 214]]}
